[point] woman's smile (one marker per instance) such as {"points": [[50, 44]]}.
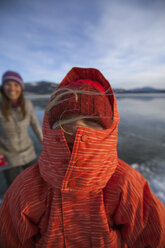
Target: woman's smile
{"points": [[12, 90]]}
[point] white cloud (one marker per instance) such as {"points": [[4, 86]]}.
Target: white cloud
{"points": [[125, 41], [131, 42]]}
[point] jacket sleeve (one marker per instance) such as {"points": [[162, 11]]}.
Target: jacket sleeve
{"points": [[35, 124], [16, 228], [140, 215]]}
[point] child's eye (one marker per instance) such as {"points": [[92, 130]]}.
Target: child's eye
{"points": [[93, 124], [91, 121]]}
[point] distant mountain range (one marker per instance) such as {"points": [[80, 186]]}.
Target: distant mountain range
{"points": [[44, 87], [140, 90]]}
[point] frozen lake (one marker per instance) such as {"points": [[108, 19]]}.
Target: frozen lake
{"points": [[141, 135]]}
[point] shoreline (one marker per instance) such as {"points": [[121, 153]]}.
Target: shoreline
{"points": [[34, 96]]}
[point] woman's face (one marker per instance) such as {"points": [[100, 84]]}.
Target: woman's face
{"points": [[12, 90]]}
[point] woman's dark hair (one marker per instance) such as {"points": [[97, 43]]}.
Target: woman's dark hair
{"points": [[6, 104]]}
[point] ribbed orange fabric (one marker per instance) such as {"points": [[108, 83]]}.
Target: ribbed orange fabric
{"points": [[86, 199]]}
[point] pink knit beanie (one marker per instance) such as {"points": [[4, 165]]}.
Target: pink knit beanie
{"points": [[12, 76]]}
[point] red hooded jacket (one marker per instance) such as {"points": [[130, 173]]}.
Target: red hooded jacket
{"points": [[87, 198]]}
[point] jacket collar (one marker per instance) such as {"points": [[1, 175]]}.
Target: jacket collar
{"points": [[91, 163]]}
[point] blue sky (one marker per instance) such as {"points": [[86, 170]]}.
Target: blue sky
{"points": [[44, 39]]}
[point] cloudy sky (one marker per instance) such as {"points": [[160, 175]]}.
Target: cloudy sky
{"points": [[125, 39]]}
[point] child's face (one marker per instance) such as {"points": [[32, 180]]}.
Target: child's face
{"points": [[71, 129]]}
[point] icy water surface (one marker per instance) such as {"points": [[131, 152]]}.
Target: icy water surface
{"points": [[141, 135]]}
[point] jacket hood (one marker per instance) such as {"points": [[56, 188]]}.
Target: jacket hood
{"points": [[94, 156]]}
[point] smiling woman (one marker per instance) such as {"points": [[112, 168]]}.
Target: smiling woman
{"points": [[12, 90], [16, 114]]}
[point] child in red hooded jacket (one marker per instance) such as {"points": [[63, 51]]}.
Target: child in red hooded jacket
{"points": [[80, 194]]}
